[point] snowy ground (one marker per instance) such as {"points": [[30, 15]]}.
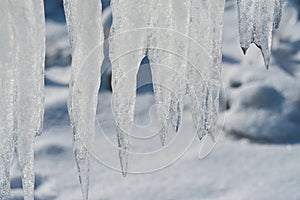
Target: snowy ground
{"points": [[261, 105]]}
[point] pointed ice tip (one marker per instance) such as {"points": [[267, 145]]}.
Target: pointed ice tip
{"points": [[212, 137], [177, 128], [124, 169], [163, 134], [267, 66], [200, 135], [123, 155], [84, 189], [244, 49], [267, 61], [124, 173], [162, 140]]}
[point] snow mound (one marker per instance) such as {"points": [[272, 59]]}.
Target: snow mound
{"points": [[266, 114]]}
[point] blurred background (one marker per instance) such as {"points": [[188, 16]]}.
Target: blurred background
{"points": [[257, 155]]}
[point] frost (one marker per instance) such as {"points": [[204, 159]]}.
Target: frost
{"points": [[22, 86], [86, 37], [257, 19]]}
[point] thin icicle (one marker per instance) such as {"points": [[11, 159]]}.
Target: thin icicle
{"points": [[278, 12], [214, 77], [86, 38], [161, 60], [7, 85], [127, 48], [257, 19], [180, 44]]}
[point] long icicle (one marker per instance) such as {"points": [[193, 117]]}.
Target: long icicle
{"points": [[199, 59], [26, 76], [161, 59], [204, 59], [86, 36], [213, 79], [180, 45], [7, 85], [127, 48]]}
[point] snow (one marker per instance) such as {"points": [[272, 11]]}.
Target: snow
{"points": [[237, 168]]}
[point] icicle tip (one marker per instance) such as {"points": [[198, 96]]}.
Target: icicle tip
{"points": [[244, 49]]}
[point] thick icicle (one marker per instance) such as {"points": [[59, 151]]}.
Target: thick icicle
{"points": [[127, 48], [86, 39], [257, 19], [199, 58], [22, 76], [204, 57], [7, 85], [184, 47]]}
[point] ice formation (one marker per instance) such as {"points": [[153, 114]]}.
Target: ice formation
{"points": [[257, 19], [182, 39], [22, 52], [183, 42], [86, 39]]}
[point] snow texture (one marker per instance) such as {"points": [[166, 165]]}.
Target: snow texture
{"points": [[86, 37], [257, 19], [22, 88]]}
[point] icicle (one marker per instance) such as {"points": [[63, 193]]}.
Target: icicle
{"points": [[86, 37], [127, 48], [257, 18], [22, 73], [180, 44], [214, 78], [198, 58], [7, 98], [161, 60], [184, 49], [278, 12], [204, 57]]}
